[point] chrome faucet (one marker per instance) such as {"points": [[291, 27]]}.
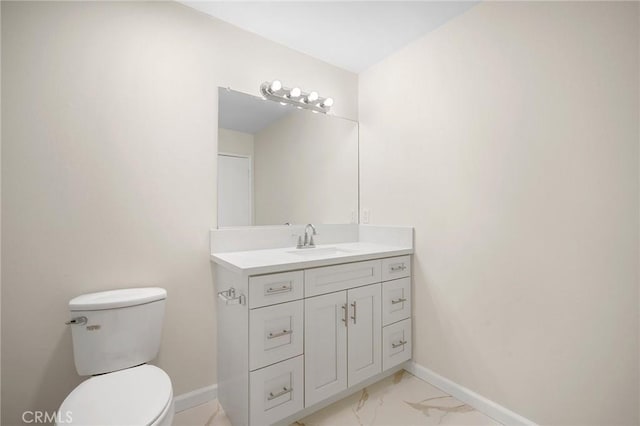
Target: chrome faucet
{"points": [[308, 237]]}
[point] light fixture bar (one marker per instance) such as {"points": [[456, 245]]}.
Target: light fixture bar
{"points": [[275, 91]]}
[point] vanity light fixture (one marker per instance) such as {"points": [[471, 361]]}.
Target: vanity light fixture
{"points": [[275, 91], [327, 102], [295, 93], [311, 97], [275, 86]]}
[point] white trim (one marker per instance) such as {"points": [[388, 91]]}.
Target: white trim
{"points": [[196, 397], [479, 402]]}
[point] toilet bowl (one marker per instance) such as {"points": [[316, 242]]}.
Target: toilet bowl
{"points": [[114, 334]]}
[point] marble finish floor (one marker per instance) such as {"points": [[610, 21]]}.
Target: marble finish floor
{"points": [[398, 400]]}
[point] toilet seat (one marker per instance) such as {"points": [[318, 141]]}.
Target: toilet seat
{"points": [[135, 396]]}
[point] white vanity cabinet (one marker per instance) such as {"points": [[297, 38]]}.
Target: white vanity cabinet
{"points": [[342, 340], [325, 345], [292, 340]]}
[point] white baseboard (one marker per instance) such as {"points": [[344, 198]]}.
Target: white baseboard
{"points": [[479, 402], [196, 397]]}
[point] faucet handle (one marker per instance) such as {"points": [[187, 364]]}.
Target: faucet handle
{"points": [[299, 241], [311, 242]]}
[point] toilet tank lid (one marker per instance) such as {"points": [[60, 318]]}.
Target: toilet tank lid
{"points": [[113, 299]]}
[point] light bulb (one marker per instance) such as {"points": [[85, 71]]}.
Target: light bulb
{"points": [[275, 86], [327, 102], [295, 92], [312, 97]]}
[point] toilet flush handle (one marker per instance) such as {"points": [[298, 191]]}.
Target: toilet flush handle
{"points": [[77, 321]]}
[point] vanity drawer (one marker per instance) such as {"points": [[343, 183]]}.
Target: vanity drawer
{"points": [[396, 344], [276, 391], [270, 289], [396, 267], [340, 277], [275, 333], [396, 300]]}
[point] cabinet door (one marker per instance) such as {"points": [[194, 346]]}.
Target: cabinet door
{"points": [[325, 346], [365, 329]]}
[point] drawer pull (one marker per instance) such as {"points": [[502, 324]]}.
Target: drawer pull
{"points": [[400, 343], [280, 334], [398, 300], [283, 289], [344, 318], [398, 268], [229, 297], [284, 391]]}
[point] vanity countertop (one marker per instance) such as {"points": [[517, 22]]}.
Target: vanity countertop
{"points": [[255, 262]]}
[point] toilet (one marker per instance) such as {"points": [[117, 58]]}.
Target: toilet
{"points": [[115, 333]]}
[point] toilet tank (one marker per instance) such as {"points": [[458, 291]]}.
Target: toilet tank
{"points": [[116, 329]]}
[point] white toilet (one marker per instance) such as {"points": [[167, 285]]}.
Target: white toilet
{"points": [[114, 334]]}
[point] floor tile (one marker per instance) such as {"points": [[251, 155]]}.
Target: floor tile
{"points": [[398, 400], [401, 399]]}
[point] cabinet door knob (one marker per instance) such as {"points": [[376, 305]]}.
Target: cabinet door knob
{"points": [[354, 312]]}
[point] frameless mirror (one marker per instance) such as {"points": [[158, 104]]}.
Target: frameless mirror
{"points": [[278, 164]]}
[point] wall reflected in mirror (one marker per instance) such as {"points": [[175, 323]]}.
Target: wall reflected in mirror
{"points": [[278, 164]]}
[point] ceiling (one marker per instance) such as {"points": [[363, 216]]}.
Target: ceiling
{"points": [[248, 114], [350, 34]]}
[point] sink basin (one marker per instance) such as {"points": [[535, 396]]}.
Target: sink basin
{"points": [[320, 252]]}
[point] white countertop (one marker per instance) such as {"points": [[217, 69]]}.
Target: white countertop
{"points": [[254, 262]]}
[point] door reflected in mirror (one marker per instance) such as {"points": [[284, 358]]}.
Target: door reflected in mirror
{"points": [[278, 164]]}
